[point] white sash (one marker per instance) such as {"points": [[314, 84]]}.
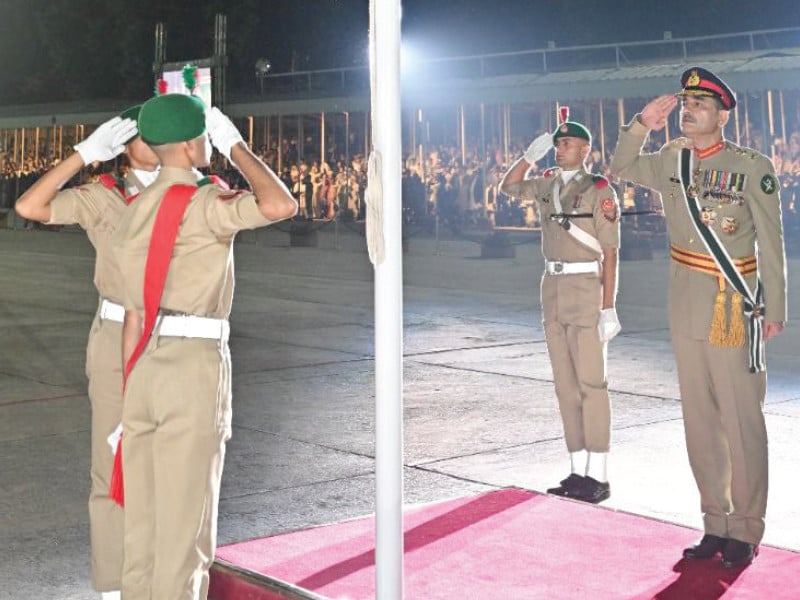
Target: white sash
{"points": [[581, 236]]}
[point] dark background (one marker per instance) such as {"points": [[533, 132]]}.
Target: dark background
{"points": [[80, 49]]}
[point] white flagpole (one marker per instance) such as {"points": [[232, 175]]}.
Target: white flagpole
{"points": [[385, 244]]}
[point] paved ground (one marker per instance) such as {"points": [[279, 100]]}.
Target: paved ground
{"points": [[479, 405]]}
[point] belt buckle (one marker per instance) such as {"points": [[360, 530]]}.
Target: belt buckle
{"points": [[558, 267]]}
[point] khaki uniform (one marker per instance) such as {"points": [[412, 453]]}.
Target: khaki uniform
{"points": [[571, 303], [722, 400], [177, 413], [98, 210]]}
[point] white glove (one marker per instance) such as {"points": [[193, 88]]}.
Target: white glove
{"points": [[539, 148], [107, 141], [222, 132], [113, 439], [608, 326]]}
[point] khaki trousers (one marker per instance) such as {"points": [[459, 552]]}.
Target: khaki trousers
{"points": [[104, 370], [578, 359], [176, 419], [726, 437]]}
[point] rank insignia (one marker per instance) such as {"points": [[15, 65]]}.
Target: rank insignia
{"points": [[708, 215], [609, 209], [729, 225], [768, 184]]}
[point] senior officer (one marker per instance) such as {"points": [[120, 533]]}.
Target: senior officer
{"points": [[98, 207], [727, 296], [175, 246], [580, 237]]}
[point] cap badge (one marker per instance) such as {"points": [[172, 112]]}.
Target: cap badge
{"points": [[564, 128], [693, 79]]}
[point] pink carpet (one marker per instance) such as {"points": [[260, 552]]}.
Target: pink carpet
{"points": [[506, 545]]}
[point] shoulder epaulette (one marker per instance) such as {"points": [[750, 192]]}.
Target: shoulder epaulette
{"points": [[745, 151], [112, 182], [599, 181], [679, 143], [215, 180]]}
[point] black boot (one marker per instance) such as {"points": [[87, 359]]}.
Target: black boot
{"points": [[738, 554], [707, 547], [571, 487]]}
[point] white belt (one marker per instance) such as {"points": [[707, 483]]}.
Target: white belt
{"points": [[557, 267], [111, 311], [191, 326]]}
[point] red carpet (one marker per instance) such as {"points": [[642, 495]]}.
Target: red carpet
{"points": [[505, 545]]}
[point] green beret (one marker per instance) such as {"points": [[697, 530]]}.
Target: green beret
{"points": [[572, 129], [131, 113], [172, 118]]}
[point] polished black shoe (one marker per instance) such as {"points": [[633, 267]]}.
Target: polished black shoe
{"points": [[738, 554], [594, 491], [569, 487], [707, 547]]}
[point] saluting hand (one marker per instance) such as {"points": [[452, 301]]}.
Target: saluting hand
{"points": [[654, 116], [107, 141], [222, 132], [539, 148]]}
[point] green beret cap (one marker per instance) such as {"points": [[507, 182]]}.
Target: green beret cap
{"points": [[131, 112], [172, 118], [572, 129]]}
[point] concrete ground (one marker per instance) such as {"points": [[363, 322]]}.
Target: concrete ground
{"points": [[480, 411]]}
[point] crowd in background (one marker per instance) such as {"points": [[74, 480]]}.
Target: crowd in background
{"points": [[461, 189]]}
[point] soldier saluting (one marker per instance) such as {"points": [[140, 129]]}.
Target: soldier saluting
{"points": [[580, 236], [727, 296]]}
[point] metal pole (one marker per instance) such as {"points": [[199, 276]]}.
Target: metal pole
{"points": [[420, 146], [767, 128], [602, 134], [783, 116], [367, 133], [321, 139], [506, 128], [748, 141], [280, 144], [736, 125], [385, 51], [463, 137], [301, 139], [771, 116]]}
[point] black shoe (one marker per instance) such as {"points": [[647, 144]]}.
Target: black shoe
{"points": [[738, 554], [707, 547], [570, 487], [594, 491]]}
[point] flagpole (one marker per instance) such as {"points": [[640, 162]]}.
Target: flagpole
{"points": [[385, 243]]}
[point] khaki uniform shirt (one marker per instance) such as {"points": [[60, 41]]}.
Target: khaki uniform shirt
{"points": [[574, 299], [97, 210], [200, 277], [740, 200]]}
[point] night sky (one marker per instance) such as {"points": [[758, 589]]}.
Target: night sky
{"points": [[82, 49]]}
